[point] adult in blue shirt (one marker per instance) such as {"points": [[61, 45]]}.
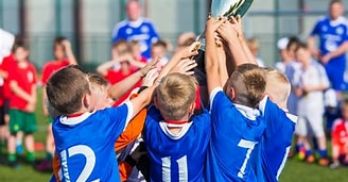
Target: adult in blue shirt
{"points": [[332, 31], [137, 28]]}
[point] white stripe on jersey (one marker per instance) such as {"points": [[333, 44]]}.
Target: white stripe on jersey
{"points": [[292, 117], [182, 165], [64, 162], [166, 175], [283, 162]]}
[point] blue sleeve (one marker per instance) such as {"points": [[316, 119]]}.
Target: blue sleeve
{"points": [[118, 34], [278, 121], [316, 29], [346, 33], [218, 101], [118, 119]]}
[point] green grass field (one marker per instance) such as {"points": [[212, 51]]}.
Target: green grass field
{"points": [[294, 170]]}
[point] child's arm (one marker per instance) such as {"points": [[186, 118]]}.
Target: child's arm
{"points": [[132, 131], [32, 105], [145, 97], [136, 125], [136, 63], [212, 62], [232, 33], [323, 85], [69, 53], [122, 87], [44, 101], [20, 92], [185, 67], [103, 68], [222, 65], [183, 54], [239, 29]]}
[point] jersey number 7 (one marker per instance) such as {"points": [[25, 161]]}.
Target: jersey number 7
{"points": [[250, 145]]}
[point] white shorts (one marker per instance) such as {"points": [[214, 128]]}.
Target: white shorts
{"points": [[308, 125]]}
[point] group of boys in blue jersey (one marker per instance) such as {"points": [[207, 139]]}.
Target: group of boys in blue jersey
{"points": [[243, 135]]}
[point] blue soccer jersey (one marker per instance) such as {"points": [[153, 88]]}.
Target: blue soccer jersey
{"points": [[276, 141], [85, 144], [177, 157], [236, 131], [332, 34], [142, 30]]}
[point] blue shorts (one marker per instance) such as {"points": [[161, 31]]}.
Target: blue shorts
{"points": [[335, 71]]}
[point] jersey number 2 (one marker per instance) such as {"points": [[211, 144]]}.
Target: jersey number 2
{"points": [[88, 153], [250, 145], [182, 167]]}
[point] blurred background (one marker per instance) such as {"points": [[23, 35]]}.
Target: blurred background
{"points": [[89, 23]]}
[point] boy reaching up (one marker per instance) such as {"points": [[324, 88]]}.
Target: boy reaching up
{"points": [[236, 125], [85, 158]]}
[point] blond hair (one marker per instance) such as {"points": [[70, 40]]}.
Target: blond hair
{"points": [[175, 95], [249, 84], [278, 86]]}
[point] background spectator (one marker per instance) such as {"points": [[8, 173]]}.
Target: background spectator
{"points": [[332, 31], [136, 28]]}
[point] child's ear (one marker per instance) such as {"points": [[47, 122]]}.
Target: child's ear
{"points": [[155, 101], [192, 107], [231, 93], [86, 101]]}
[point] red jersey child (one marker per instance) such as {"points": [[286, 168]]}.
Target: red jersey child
{"points": [[7, 64], [22, 82], [339, 136], [120, 67]]}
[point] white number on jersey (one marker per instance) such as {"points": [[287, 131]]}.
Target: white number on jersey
{"points": [[88, 153], [182, 166], [250, 145]]}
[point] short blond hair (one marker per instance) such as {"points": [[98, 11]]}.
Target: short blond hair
{"points": [[278, 86], [175, 95], [249, 84]]}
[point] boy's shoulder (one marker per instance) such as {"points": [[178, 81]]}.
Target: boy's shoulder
{"points": [[218, 98]]}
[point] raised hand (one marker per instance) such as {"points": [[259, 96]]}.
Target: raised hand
{"points": [[237, 25], [150, 77], [190, 51], [227, 31], [149, 66], [185, 67], [67, 45]]}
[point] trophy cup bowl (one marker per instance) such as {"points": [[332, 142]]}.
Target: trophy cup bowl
{"points": [[229, 8], [226, 8]]}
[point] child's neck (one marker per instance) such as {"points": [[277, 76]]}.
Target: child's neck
{"points": [[22, 64], [81, 111], [177, 130]]}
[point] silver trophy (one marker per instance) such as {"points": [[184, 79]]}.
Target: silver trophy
{"points": [[226, 8], [229, 8], [218, 8]]}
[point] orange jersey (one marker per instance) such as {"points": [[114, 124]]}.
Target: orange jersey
{"points": [[130, 134]]}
